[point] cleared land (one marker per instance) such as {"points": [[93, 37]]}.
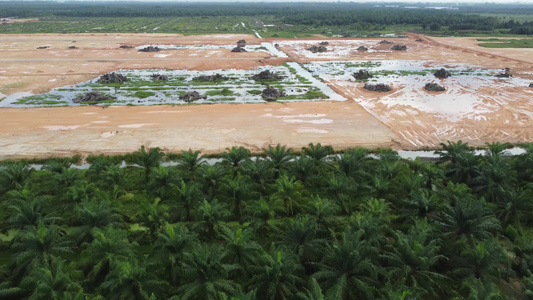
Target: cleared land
{"points": [[397, 119]]}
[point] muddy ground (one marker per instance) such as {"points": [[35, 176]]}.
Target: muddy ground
{"points": [[211, 128]]}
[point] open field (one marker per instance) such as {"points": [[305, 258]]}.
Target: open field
{"points": [[476, 107]]}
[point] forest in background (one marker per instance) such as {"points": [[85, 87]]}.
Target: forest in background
{"points": [[346, 19], [279, 225]]}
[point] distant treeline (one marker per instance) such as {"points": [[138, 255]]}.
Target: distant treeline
{"points": [[306, 14]]}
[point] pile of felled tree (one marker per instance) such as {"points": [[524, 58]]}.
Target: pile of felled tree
{"points": [[362, 75], [362, 48], [433, 87], [192, 96], [317, 49], [385, 42], [150, 49], [241, 43], [160, 77], [92, 97], [266, 75], [442, 73], [238, 49], [324, 43], [216, 77], [112, 78], [271, 94], [379, 87], [399, 47], [125, 47]]}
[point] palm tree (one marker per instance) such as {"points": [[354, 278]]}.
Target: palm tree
{"points": [[355, 163], [469, 219], [465, 168], [346, 270], [36, 246], [172, 246], [130, 279], [515, 205], [14, 176], [153, 216], [260, 172], [276, 276], [237, 191], [290, 193], [235, 156], [300, 238], [52, 282], [304, 169], [240, 249], [148, 160], [420, 204], [411, 261], [206, 276], [343, 190], [323, 211], [91, 214], [27, 210], [318, 152], [209, 218], [109, 245], [186, 197], [190, 161], [313, 293], [210, 178], [261, 211], [452, 150], [495, 176], [162, 181], [279, 156], [486, 261]]}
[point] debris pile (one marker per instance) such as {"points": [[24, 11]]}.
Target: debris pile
{"points": [[433, 87], [507, 74], [399, 47], [442, 73], [266, 75], [43, 47], [379, 87], [324, 43], [150, 49], [160, 77], [362, 48], [192, 96], [317, 49], [125, 47], [216, 77], [385, 42], [112, 78], [419, 40], [241, 43], [238, 49], [531, 85], [92, 97], [73, 47], [362, 75], [271, 94]]}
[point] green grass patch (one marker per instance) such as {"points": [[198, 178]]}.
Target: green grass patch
{"points": [[222, 92], [506, 43], [143, 94]]}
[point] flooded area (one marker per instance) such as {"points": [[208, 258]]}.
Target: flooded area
{"points": [[236, 87]]}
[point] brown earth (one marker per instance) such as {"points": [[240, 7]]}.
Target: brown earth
{"points": [[212, 128]]}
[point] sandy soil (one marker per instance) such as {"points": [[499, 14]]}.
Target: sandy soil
{"points": [[210, 128], [369, 119]]}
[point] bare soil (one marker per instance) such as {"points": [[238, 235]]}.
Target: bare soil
{"points": [[211, 128]]}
